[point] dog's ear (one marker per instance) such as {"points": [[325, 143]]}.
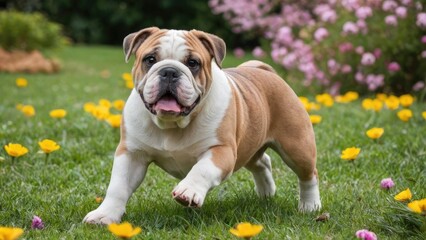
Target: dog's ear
{"points": [[214, 44], [132, 41]]}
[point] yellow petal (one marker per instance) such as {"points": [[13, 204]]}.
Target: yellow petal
{"points": [[414, 206], [8, 233], [404, 195]]}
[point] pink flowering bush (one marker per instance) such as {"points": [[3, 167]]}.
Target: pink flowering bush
{"points": [[339, 45]]}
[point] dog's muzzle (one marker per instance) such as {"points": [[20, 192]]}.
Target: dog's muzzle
{"points": [[167, 102]]}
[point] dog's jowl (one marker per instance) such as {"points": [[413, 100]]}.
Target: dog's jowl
{"points": [[200, 122]]}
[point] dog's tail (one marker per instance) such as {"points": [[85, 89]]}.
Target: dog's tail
{"points": [[257, 64]]}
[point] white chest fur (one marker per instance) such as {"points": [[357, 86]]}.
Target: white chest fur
{"points": [[176, 150]]}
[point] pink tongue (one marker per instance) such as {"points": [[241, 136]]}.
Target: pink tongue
{"points": [[167, 104]]}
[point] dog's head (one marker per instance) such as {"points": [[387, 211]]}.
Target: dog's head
{"points": [[173, 70]]}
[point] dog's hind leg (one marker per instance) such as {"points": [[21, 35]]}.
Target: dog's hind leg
{"points": [[262, 174], [300, 156]]}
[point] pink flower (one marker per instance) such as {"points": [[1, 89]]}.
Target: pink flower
{"points": [[364, 12], [387, 183], [346, 47], [401, 12], [418, 86], [320, 34], [258, 52], [424, 39], [329, 16], [359, 77], [359, 49], [374, 81], [346, 68], [393, 67], [366, 235], [239, 52], [391, 20], [377, 53], [406, 2], [350, 27], [389, 5], [37, 223], [421, 20], [368, 59]]}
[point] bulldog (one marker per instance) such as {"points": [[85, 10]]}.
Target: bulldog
{"points": [[200, 123]]}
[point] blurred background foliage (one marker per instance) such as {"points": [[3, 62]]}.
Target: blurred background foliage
{"points": [[108, 22]]}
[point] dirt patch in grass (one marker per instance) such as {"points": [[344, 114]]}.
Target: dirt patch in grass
{"points": [[30, 62]]}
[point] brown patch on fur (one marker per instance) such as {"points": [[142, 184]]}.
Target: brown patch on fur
{"points": [[149, 40], [122, 148], [264, 111]]}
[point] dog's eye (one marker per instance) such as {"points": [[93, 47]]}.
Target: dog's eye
{"points": [[150, 60], [192, 63]]}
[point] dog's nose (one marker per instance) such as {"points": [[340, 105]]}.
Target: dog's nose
{"points": [[169, 73]]}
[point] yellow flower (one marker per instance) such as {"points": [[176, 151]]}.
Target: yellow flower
{"points": [[381, 96], [21, 82], [417, 206], [367, 104], [403, 196], [58, 113], [246, 230], [10, 233], [406, 100], [15, 149], [101, 112], [99, 199], [119, 104], [315, 119], [424, 115], [114, 120], [28, 110], [105, 102], [89, 107], [127, 77], [405, 115], [350, 153], [375, 133], [377, 105], [124, 230], [325, 99], [392, 102], [348, 97], [130, 85], [48, 146]]}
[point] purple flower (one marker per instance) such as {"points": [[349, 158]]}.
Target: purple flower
{"points": [[401, 12], [387, 183], [350, 27], [389, 5], [364, 12], [239, 52], [320, 34], [346, 47], [346, 68], [424, 39], [377, 53], [421, 20], [365, 234], [368, 59], [359, 77], [418, 86], [406, 2], [258, 52], [359, 49], [37, 223], [393, 67], [391, 20]]}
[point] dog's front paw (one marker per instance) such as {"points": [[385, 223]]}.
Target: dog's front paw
{"points": [[189, 195], [309, 200], [103, 216]]}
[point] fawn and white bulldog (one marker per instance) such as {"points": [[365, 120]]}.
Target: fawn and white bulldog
{"points": [[200, 123]]}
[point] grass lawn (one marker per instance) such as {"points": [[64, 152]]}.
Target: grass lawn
{"points": [[63, 189]]}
